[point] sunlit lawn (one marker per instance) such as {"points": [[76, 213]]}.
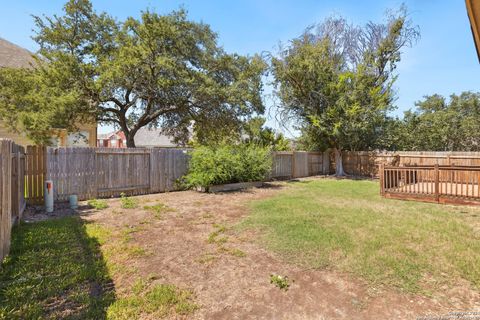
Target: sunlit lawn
{"points": [[345, 225]]}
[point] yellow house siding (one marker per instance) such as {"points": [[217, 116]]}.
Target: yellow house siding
{"points": [[62, 135], [18, 138], [21, 139]]}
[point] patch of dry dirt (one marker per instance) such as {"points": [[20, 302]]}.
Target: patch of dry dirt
{"points": [[231, 279]]}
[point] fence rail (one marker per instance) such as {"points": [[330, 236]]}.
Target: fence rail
{"points": [[438, 183]]}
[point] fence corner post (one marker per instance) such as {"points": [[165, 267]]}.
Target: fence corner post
{"points": [[437, 176], [382, 177]]}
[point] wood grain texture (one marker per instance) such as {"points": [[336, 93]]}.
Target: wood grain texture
{"points": [[12, 186]]}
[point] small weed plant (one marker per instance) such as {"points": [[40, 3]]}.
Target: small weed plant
{"points": [[215, 236], [98, 204], [280, 281], [127, 202]]}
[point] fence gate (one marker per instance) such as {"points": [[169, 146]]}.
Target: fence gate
{"points": [[35, 170]]}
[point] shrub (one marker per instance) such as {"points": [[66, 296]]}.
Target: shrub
{"points": [[228, 164]]}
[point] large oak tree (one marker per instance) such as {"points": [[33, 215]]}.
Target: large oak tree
{"points": [[159, 70]]}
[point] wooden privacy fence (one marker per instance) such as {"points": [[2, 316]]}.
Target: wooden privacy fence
{"points": [[438, 183], [298, 164], [35, 169], [366, 163], [105, 172], [12, 200]]}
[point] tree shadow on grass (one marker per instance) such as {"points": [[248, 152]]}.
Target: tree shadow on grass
{"points": [[55, 270]]}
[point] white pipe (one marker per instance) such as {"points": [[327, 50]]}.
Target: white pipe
{"points": [[48, 196]]}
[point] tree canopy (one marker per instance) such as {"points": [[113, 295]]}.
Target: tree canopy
{"points": [[440, 125], [159, 70], [255, 131], [336, 80]]}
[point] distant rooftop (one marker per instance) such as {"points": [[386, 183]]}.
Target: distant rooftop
{"points": [[13, 56], [146, 137]]}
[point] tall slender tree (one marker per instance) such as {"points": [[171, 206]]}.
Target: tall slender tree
{"points": [[336, 79]]}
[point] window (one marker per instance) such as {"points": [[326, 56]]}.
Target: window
{"points": [[78, 139]]}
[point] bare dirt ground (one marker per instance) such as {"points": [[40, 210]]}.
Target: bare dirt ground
{"points": [[228, 284]]}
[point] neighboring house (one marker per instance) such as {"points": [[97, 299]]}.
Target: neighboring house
{"points": [[144, 138], [152, 137], [473, 10], [114, 139], [13, 56]]}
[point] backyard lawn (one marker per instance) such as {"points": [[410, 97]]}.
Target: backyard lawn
{"points": [[346, 225], [307, 249]]}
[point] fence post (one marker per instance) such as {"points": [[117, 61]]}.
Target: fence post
{"points": [[5, 196], [95, 169], [382, 177], [437, 176], [150, 180], [293, 164]]}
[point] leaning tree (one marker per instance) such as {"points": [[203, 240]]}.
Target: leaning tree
{"points": [[156, 71], [335, 80]]}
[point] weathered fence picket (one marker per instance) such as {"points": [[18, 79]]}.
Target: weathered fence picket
{"points": [[366, 163], [106, 172], [297, 164], [12, 185]]}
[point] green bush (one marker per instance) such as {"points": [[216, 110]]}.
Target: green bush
{"points": [[228, 164]]}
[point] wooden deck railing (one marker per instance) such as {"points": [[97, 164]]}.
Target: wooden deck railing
{"points": [[442, 184]]}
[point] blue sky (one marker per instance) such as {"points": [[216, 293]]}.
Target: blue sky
{"points": [[443, 61]]}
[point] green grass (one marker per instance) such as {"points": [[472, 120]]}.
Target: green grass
{"points": [[345, 225], [158, 209], [156, 301], [54, 270], [63, 268], [98, 204]]}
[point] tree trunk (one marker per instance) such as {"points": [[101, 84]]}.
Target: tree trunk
{"points": [[338, 163], [130, 139]]}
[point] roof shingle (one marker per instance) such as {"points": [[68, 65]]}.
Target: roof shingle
{"points": [[13, 56]]}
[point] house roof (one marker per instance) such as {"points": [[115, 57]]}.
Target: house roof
{"points": [[473, 10], [151, 137], [13, 56], [111, 135]]}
